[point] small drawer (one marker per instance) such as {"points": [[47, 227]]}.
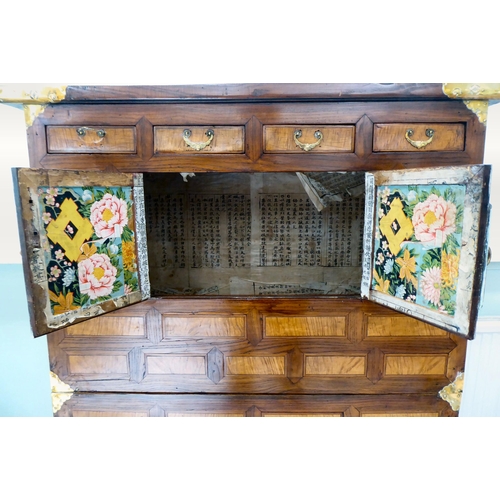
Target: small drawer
{"points": [[205, 139], [91, 139], [308, 139], [418, 137]]}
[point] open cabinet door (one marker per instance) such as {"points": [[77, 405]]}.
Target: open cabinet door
{"points": [[83, 240], [425, 243]]}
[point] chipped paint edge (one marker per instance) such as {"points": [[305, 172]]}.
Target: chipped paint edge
{"points": [[370, 200], [60, 392], [141, 237], [452, 393]]}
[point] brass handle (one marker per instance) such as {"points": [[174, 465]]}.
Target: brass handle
{"points": [[82, 132], [304, 146], [420, 144], [198, 146]]}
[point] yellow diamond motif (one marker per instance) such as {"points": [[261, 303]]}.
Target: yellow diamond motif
{"points": [[405, 231], [56, 230]]}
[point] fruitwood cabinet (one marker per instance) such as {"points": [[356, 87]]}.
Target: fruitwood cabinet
{"points": [[232, 293]]}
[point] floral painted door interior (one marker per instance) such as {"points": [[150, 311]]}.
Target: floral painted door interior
{"points": [[428, 254], [82, 239], [424, 244]]}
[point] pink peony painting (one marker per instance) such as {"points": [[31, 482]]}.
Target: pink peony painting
{"points": [[96, 276], [109, 216], [433, 220]]}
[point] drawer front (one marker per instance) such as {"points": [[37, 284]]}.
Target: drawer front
{"points": [[418, 137], [202, 140], [91, 139], [308, 139]]}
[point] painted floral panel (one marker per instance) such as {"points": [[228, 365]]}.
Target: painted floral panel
{"points": [[417, 244], [89, 245]]}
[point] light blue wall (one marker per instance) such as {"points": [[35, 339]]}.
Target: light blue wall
{"points": [[24, 363]]}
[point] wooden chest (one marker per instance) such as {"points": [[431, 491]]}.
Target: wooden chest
{"points": [[255, 250]]}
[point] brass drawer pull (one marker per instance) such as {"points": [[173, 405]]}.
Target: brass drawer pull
{"points": [[420, 144], [304, 146], [198, 146], [82, 132]]}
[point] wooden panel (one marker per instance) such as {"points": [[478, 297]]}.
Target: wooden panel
{"points": [[401, 326], [176, 365], [302, 415], [109, 326], [258, 91], [88, 364], [225, 140], [256, 365], [391, 136], [204, 326], [199, 414], [335, 365], [415, 365], [400, 414], [304, 326], [83, 413], [67, 139], [280, 139], [198, 405]]}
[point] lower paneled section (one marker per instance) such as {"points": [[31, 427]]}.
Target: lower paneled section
{"points": [[306, 346], [142, 405]]}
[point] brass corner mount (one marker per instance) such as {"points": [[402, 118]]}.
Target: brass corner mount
{"points": [[452, 393], [61, 392]]}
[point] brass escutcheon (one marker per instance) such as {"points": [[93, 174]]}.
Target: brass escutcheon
{"points": [[82, 132], [198, 146], [420, 144], [305, 146]]}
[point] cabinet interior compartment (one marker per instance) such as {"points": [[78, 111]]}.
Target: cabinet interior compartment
{"points": [[254, 234]]}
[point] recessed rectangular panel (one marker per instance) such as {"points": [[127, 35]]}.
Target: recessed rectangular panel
{"points": [[199, 414], [418, 137], [335, 365], [301, 414], [415, 365], [304, 326], [85, 413], [401, 414], [97, 364], [308, 139], [199, 140], [255, 365], [401, 326], [109, 326], [203, 326], [176, 365], [91, 139]]}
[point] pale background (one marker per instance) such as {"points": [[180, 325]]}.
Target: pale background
{"points": [[224, 41]]}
